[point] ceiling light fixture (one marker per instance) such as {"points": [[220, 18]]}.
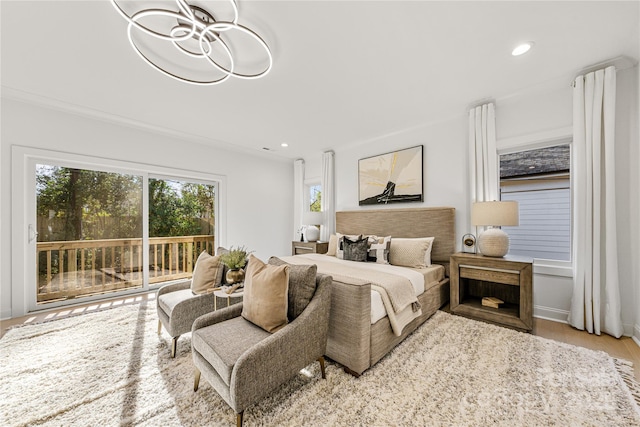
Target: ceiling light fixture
{"points": [[195, 33], [284, 144], [522, 49]]}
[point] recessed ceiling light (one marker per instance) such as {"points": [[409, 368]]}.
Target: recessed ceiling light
{"points": [[521, 49], [284, 144]]}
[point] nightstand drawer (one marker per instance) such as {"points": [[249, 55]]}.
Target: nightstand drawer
{"points": [[299, 248], [504, 277]]}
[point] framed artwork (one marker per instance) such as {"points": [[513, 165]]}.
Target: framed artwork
{"points": [[391, 178]]}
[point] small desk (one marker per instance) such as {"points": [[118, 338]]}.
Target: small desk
{"points": [[223, 294]]}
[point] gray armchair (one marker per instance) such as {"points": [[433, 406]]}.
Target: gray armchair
{"points": [[244, 363], [178, 307]]}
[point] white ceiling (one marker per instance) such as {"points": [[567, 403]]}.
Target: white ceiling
{"points": [[344, 71]]}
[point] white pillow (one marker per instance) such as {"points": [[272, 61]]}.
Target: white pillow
{"points": [[411, 252]]}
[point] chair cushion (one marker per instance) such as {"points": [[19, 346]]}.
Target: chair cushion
{"points": [[265, 299], [207, 273], [302, 286], [168, 301], [223, 343]]}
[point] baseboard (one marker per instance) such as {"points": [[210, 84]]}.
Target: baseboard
{"points": [[550, 313]]}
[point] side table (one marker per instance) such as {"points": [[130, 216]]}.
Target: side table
{"points": [[298, 248], [509, 279], [222, 294]]}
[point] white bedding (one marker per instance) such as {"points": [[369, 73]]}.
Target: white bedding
{"points": [[418, 277]]}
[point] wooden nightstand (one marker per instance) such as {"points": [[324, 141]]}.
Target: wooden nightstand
{"points": [[298, 248], [509, 279]]}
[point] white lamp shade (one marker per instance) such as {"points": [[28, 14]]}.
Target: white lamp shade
{"points": [[312, 218], [494, 242], [495, 213]]}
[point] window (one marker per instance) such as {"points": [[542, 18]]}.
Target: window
{"points": [[315, 197], [539, 180]]}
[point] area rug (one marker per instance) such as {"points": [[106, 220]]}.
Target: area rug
{"points": [[111, 369]]}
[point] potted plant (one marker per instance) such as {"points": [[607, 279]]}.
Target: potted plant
{"points": [[235, 260]]}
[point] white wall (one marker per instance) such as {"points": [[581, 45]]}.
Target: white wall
{"points": [[258, 212], [445, 158], [531, 116]]}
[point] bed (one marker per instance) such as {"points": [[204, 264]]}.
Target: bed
{"points": [[357, 338]]}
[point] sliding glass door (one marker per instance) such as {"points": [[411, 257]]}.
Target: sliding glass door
{"points": [[181, 226], [89, 232], [97, 230]]}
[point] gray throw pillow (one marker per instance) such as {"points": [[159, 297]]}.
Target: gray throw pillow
{"points": [[356, 250], [302, 286]]}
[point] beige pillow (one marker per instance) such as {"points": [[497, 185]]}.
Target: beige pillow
{"points": [[333, 245], [414, 253], [265, 301], [207, 273]]}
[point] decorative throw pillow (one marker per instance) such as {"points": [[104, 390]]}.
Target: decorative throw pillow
{"points": [[219, 251], [379, 248], [333, 245], [414, 253], [340, 246], [355, 250], [265, 294], [207, 273], [302, 286]]}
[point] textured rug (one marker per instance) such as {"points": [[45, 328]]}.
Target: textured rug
{"points": [[111, 369]]}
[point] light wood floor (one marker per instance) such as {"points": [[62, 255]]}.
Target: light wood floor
{"points": [[624, 348]]}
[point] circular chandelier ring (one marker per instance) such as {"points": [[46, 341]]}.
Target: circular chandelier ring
{"points": [[219, 27], [175, 76], [186, 51], [133, 20]]}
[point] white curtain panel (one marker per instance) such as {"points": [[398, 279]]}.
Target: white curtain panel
{"points": [[483, 157], [595, 305], [327, 202], [298, 196]]}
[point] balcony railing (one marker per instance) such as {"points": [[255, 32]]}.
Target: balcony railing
{"points": [[72, 269]]}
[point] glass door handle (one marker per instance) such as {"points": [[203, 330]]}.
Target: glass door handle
{"points": [[33, 234]]}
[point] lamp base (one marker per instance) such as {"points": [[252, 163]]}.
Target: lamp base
{"points": [[313, 233], [493, 242]]}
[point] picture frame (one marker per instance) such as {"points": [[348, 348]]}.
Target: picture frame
{"points": [[394, 177]]}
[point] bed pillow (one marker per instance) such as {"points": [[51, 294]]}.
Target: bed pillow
{"points": [[414, 253], [302, 286], [266, 294], [207, 274], [379, 248], [340, 245], [333, 245], [355, 250]]}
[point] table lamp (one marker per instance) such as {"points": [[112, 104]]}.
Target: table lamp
{"points": [[494, 242], [312, 233]]}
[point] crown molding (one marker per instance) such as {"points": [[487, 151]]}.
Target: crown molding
{"points": [[28, 98]]}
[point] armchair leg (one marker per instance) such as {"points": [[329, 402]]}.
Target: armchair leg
{"points": [[174, 343], [321, 360], [196, 379], [239, 419], [159, 327]]}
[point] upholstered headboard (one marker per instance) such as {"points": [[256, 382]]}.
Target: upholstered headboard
{"points": [[438, 222]]}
